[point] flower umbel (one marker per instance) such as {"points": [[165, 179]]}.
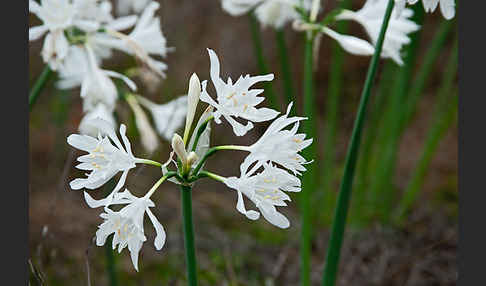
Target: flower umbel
{"points": [[236, 100]]}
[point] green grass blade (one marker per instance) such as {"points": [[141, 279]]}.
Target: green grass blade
{"points": [[339, 222], [425, 71], [445, 115], [257, 45], [309, 178], [39, 85], [381, 190], [285, 65], [332, 108]]}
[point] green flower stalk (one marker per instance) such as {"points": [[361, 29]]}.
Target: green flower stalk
{"points": [[39, 85], [339, 222]]}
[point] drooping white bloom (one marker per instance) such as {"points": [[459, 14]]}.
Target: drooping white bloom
{"points": [[125, 6], [99, 111], [167, 117], [371, 18], [274, 13], [126, 225], [104, 160], [236, 100], [279, 145], [265, 190], [81, 69], [148, 137], [447, 7]]}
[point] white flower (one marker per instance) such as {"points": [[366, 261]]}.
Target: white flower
{"points": [[144, 40], [126, 225], [58, 16], [125, 6], [447, 7], [104, 160], [274, 13], [279, 146], [236, 100], [265, 190], [167, 117], [371, 18], [101, 111], [81, 69]]}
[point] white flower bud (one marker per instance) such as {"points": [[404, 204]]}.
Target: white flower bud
{"points": [[192, 100], [179, 148], [147, 134]]}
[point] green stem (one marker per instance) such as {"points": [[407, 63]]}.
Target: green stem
{"points": [[444, 115], [309, 178], [284, 61], [339, 222], [39, 85], [257, 44], [332, 107], [149, 162], [213, 150], [189, 235]]}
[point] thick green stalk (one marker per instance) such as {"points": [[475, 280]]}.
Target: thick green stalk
{"points": [[425, 71], [191, 267], [39, 85], [257, 44], [284, 62], [339, 222], [444, 116], [309, 178], [381, 190], [332, 108]]}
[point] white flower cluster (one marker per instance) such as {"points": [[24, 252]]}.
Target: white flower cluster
{"points": [[273, 13], [267, 173], [447, 7], [80, 34], [370, 16]]}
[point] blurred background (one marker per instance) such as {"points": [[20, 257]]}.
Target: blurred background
{"points": [[417, 249]]}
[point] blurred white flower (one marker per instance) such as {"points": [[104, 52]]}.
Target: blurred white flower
{"points": [[101, 111], [125, 6], [149, 139], [126, 225], [265, 190], [274, 13], [144, 40], [447, 7], [371, 18], [81, 69], [167, 117], [236, 100], [351, 44], [279, 146], [104, 160], [58, 16]]}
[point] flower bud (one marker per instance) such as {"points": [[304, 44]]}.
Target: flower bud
{"points": [[179, 148], [149, 138], [192, 100]]}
